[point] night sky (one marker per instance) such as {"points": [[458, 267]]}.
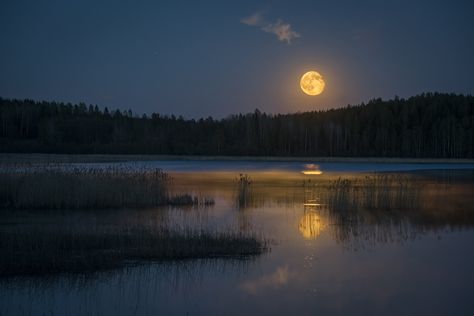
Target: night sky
{"points": [[199, 59]]}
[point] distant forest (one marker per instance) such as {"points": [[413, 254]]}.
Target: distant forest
{"points": [[428, 125]]}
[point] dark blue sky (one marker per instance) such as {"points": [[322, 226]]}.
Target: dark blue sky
{"points": [[198, 58]]}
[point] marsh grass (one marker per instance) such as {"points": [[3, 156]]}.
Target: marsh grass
{"points": [[378, 209], [365, 210], [95, 188], [374, 192], [244, 190], [29, 252]]}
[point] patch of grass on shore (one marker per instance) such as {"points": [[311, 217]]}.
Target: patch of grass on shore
{"points": [[34, 252], [89, 188]]}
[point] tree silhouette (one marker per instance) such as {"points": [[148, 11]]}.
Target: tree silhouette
{"points": [[428, 125]]}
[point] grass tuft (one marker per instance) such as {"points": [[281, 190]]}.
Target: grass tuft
{"points": [[30, 252], [89, 188]]}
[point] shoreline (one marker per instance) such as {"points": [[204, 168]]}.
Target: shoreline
{"points": [[85, 158]]}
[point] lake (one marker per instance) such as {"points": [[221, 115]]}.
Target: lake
{"points": [[379, 238]]}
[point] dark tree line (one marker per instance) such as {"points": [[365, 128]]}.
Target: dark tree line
{"points": [[427, 125]]}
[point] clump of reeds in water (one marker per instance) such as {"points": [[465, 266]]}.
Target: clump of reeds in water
{"points": [[244, 191], [44, 252], [391, 207], [357, 205], [379, 191], [81, 188]]}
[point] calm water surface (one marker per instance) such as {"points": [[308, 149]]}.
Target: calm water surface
{"points": [[413, 256]]}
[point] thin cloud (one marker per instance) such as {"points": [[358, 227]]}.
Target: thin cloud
{"points": [[282, 30], [253, 19]]}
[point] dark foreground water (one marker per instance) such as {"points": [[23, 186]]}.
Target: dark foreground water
{"points": [[404, 252]]}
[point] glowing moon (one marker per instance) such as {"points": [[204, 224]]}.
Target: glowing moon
{"points": [[312, 83]]}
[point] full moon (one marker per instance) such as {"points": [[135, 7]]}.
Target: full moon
{"points": [[312, 83]]}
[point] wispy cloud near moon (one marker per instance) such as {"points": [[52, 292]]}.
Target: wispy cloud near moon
{"points": [[252, 20], [282, 30]]}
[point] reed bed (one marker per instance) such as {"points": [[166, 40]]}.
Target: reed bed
{"points": [[370, 192], [89, 188], [244, 190], [30, 252], [245, 196], [379, 208]]}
